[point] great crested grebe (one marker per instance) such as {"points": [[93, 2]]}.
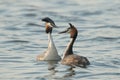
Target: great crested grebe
{"points": [[51, 53], [69, 58]]}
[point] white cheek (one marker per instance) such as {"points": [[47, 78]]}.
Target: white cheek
{"points": [[49, 24]]}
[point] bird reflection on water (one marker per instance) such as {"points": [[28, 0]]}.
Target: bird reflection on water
{"points": [[51, 67], [71, 72], [54, 69]]}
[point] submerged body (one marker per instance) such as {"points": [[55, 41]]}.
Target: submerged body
{"points": [[69, 58], [51, 53]]}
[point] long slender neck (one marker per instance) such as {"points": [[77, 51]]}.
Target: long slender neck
{"points": [[49, 32], [69, 48], [50, 40]]}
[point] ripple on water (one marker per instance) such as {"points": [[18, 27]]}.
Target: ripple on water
{"points": [[100, 76], [16, 41], [33, 24], [100, 38], [29, 15]]}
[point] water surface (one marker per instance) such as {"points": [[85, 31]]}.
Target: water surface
{"points": [[23, 37]]}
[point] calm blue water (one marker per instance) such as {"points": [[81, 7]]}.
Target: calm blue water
{"points": [[22, 38]]}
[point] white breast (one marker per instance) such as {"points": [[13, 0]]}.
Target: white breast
{"points": [[51, 53]]}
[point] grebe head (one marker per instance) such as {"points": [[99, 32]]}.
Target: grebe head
{"points": [[72, 30], [49, 24], [49, 21]]}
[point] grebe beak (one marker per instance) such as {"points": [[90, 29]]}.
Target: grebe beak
{"points": [[63, 32], [54, 25]]}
